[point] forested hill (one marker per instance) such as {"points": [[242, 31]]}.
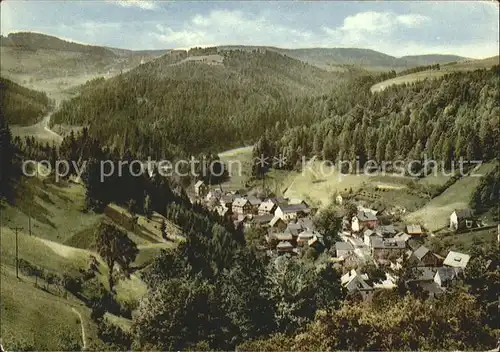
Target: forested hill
{"points": [[444, 119], [21, 105], [366, 58], [196, 106]]}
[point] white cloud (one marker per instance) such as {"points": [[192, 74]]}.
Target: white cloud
{"points": [[224, 27], [142, 4], [367, 27]]}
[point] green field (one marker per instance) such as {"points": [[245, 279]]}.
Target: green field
{"points": [[43, 316], [433, 74], [435, 214]]}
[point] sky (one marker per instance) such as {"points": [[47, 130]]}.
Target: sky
{"points": [[469, 29]]}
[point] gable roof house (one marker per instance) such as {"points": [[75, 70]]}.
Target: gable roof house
{"points": [[267, 207], [456, 260], [284, 247], [422, 256], [277, 223], [306, 235], [356, 285], [262, 220], [255, 203], [291, 211], [368, 235], [462, 219], [386, 230], [445, 275], [241, 206], [387, 248], [364, 219]]}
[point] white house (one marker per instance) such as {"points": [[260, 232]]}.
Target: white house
{"points": [[200, 188], [462, 219], [356, 284], [291, 211]]}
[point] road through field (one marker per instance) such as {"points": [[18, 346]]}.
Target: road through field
{"points": [[39, 130]]}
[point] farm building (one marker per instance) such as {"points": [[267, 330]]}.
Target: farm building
{"points": [[462, 219]]}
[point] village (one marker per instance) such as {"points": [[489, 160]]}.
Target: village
{"points": [[367, 238]]}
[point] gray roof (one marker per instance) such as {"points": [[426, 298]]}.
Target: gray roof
{"points": [[294, 208], [421, 252], [447, 273], [294, 228], [465, 213], [306, 223], [263, 219], [282, 236], [386, 230], [366, 216], [228, 198], [456, 260], [344, 246], [387, 243], [284, 244], [254, 200]]}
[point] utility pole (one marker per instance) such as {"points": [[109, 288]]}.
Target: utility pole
{"points": [[17, 250]]}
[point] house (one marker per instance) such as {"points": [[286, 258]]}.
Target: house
{"points": [[422, 256], [363, 220], [279, 237], [445, 275], [277, 223], [414, 230], [356, 285], [200, 188], [306, 235], [306, 223], [456, 260], [284, 247], [267, 207], [294, 228], [402, 237], [462, 219], [254, 203], [386, 248], [368, 235], [344, 249], [262, 221], [289, 212], [241, 206], [386, 230], [316, 242]]}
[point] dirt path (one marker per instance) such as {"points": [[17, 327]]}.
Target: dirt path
{"points": [[83, 328]]}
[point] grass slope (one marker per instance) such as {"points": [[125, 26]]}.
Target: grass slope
{"points": [[33, 317], [435, 214], [433, 74]]}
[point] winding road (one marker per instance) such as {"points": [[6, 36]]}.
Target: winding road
{"points": [[40, 130]]}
